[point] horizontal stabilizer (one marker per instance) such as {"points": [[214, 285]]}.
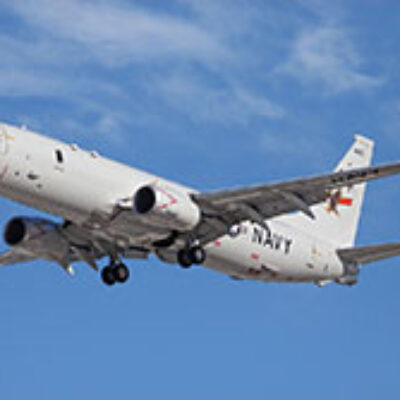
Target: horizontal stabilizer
{"points": [[369, 254]]}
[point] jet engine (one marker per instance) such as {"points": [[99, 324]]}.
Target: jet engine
{"points": [[166, 207], [22, 230]]}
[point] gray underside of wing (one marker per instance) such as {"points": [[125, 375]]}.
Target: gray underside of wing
{"points": [[369, 254], [66, 245], [12, 257]]}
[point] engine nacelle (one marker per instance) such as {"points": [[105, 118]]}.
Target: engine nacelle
{"points": [[21, 230], [166, 207]]}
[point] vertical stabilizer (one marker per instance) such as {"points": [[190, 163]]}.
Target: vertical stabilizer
{"points": [[337, 219]]}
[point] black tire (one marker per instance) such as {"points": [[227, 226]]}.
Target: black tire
{"points": [[121, 273], [197, 255], [108, 277], [184, 259]]}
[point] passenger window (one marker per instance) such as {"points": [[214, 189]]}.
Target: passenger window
{"points": [[59, 156]]}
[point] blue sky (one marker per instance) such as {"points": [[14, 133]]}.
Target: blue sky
{"points": [[211, 93]]}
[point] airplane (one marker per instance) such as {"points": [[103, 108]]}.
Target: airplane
{"points": [[300, 230]]}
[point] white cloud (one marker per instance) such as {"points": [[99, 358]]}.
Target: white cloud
{"points": [[69, 38], [388, 122], [19, 83], [22, 72], [291, 148], [259, 105], [117, 33], [326, 55], [225, 103]]}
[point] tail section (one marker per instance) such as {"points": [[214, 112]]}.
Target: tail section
{"points": [[338, 219]]}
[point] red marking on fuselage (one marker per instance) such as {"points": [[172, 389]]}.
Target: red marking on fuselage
{"points": [[345, 201], [255, 256], [218, 243]]}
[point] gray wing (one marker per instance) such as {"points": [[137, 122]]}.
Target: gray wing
{"points": [[12, 257], [369, 254], [66, 244], [221, 210]]}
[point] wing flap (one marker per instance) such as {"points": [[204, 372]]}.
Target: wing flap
{"points": [[369, 254]]}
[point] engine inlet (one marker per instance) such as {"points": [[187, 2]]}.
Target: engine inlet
{"points": [[15, 232], [145, 200]]}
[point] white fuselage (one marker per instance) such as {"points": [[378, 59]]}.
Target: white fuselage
{"points": [[81, 186]]}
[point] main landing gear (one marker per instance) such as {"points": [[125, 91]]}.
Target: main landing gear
{"points": [[192, 255], [115, 273]]}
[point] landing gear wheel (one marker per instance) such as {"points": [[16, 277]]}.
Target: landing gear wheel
{"points": [[193, 255], [197, 255], [184, 258], [108, 277], [121, 273]]}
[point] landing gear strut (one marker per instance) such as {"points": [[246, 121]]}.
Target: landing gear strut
{"points": [[191, 255], [115, 273]]}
